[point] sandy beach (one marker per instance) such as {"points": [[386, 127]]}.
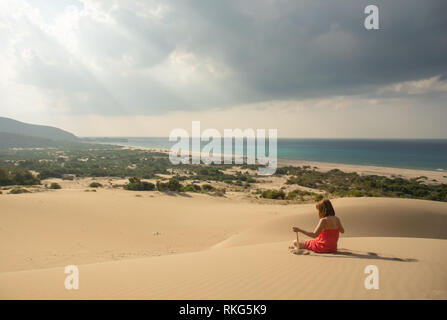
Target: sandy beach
{"points": [[161, 246], [432, 176]]}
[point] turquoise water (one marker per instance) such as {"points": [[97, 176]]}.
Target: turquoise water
{"points": [[428, 154]]}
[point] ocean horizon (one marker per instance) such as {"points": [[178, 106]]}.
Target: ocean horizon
{"points": [[422, 154]]}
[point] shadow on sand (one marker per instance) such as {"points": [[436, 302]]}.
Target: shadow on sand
{"points": [[176, 194], [346, 253], [183, 194]]}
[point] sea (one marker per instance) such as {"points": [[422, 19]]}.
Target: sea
{"points": [[424, 154]]}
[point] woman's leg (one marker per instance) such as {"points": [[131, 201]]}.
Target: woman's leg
{"points": [[293, 245]]}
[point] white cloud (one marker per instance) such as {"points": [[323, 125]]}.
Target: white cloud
{"points": [[422, 86]]}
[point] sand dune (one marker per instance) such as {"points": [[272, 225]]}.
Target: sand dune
{"points": [[266, 271], [48, 229], [225, 249], [361, 217]]}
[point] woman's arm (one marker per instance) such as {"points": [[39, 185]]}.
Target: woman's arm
{"points": [[316, 232], [340, 226]]}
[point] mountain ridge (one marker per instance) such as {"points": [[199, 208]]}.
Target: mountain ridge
{"points": [[15, 127]]}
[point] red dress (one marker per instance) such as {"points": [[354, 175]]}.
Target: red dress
{"points": [[325, 242]]}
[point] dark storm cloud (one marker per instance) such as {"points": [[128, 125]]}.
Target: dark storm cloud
{"points": [[292, 49], [262, 50]]}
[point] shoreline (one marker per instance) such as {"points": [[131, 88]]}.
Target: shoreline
{"points": [[439, 176]]}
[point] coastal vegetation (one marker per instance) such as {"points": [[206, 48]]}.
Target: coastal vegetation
{"points": [[342, 184], [16, 176], [24, 167], [172, 185]]}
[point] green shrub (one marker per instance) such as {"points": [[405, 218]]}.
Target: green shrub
{"points": [[95, 185], [207, 187], [17, 177], [192, 188], [135, 184], [173, 184], [162, 186], [318, 197], [298, 194], [18, 190], [273, 194], [356, 193], [55, 185]]}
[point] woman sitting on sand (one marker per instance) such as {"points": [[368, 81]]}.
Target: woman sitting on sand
{"points": [[326, 232]]}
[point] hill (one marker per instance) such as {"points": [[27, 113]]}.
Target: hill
{"points": [[11, 140], [35, 131]]}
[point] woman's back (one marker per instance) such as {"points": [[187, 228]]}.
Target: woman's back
{"points": [[327, 240], [331, 223]]}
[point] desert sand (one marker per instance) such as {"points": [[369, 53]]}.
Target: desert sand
{"points": [[159, 246]]}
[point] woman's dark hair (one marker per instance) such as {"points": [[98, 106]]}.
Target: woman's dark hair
{"points": [[325, 208]]}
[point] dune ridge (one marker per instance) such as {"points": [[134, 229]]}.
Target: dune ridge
{"points": [[265, 271], [233, 249], [361, 217]]}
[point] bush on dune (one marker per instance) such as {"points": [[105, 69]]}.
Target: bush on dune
{"points": [[173, 184], [95, 185], [192, 188], [297, 193], [55, 185], [17, 177], [135, 184], [207, 187], [18, 190], [273, 194]]}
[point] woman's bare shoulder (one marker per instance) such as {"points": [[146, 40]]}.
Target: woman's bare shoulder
{"points": [[338, 220]]}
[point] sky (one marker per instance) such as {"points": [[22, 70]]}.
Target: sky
{"points": [[307, 68]]}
